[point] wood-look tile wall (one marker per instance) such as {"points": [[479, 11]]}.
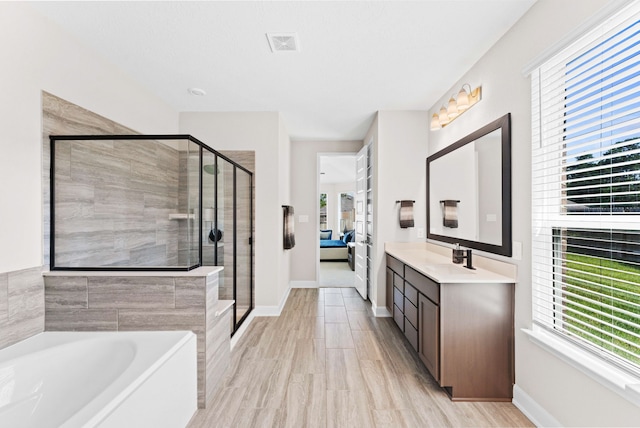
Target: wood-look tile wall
{"points": [[134, 303], [21, 305], [141, 234], [60, 117], [114, 196], [113, 199]]}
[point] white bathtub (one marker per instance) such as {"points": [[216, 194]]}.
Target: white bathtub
{"points": [[78, 379]]}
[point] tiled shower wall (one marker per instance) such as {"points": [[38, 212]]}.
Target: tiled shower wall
{"points": [[60, 117], [113, 201], [21, 305]]}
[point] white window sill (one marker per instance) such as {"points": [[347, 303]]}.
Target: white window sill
{"points": [[617, 380]]}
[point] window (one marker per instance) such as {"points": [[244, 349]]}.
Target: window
{"points": [[347, 212], [323, 211], [586, 191]]}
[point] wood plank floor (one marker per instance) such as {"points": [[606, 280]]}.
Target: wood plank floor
{"points": [[327, 362]]}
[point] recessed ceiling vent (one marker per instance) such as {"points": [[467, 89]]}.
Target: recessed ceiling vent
{"points": [[283, 42]]}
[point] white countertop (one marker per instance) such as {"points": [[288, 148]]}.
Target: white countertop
{"points": [[201, 271], [439, 267]]}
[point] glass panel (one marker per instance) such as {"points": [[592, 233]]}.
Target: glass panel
{"points": [[117, 204], [188, 197], [243, 244], [210, 234], [225, 226]]}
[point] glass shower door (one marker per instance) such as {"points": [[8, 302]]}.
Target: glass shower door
{"points": [[229, 232], [243, 244]]}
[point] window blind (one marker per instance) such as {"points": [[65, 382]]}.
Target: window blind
{"points": [[586, 191]]}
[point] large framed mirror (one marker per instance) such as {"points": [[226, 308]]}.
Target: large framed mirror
{"points": [[469, 190]]}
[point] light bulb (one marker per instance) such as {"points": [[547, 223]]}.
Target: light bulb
{"points": [[435, 122], [463, 100], [452, 109], [443, 116]]}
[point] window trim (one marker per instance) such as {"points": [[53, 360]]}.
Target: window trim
{"points": [[607, 374], [608, 10], [545, 217]]}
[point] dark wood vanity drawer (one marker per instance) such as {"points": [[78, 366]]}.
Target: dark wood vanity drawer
{"points": [[398, 299], [396, 265], [398, 317], [410, 312], [411, 334], [411, 294], [429, 288], [398, 282]]}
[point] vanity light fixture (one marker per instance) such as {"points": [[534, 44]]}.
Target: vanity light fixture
{"points": [[456, 106]]}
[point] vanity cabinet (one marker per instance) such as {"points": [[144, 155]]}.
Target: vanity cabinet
{"points": [[462, 331], [429, 340], [404, 298]]}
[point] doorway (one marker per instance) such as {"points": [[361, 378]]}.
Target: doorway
{"points": [[336, 213]]}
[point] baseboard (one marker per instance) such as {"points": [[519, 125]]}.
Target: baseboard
{"points": [[272, 311], [303, 284], [378, 311], [532, 410]]}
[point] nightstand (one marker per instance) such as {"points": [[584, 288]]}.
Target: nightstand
{"points": [[351, 249]]}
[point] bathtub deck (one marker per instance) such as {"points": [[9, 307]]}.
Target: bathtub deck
{"points": [[146, 301]]}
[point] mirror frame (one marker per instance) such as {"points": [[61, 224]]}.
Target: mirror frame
{"points": [[504, 124]]}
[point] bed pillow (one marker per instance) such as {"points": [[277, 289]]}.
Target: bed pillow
{"points": [[326, 234], [348, 237]]}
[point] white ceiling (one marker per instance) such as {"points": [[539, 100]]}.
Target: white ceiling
{"points": [[357, 57], [338, 169]]}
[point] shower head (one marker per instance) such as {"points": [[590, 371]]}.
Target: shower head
{"points": [[210, 169]]}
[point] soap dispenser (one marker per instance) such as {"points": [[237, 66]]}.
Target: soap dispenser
{"points": [[458, 255]]}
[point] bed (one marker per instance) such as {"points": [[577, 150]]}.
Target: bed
{"points": [[334, 249]]}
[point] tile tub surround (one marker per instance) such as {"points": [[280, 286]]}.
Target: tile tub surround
{"points": [[146, 301], [21, 305]]}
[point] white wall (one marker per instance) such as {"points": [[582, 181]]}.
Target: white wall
{"points": [[570, 397], [262, 132], [284, 186], [37, 56], [304, 198], [400, 154]]}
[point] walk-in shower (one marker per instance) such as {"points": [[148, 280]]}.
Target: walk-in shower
{"points": [[152, 203]]}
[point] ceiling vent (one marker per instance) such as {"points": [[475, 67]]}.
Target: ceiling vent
{"points": [[283, 42]]}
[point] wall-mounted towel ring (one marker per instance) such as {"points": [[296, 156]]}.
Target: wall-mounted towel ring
{"points": [[450, 213], [406, 213]]}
